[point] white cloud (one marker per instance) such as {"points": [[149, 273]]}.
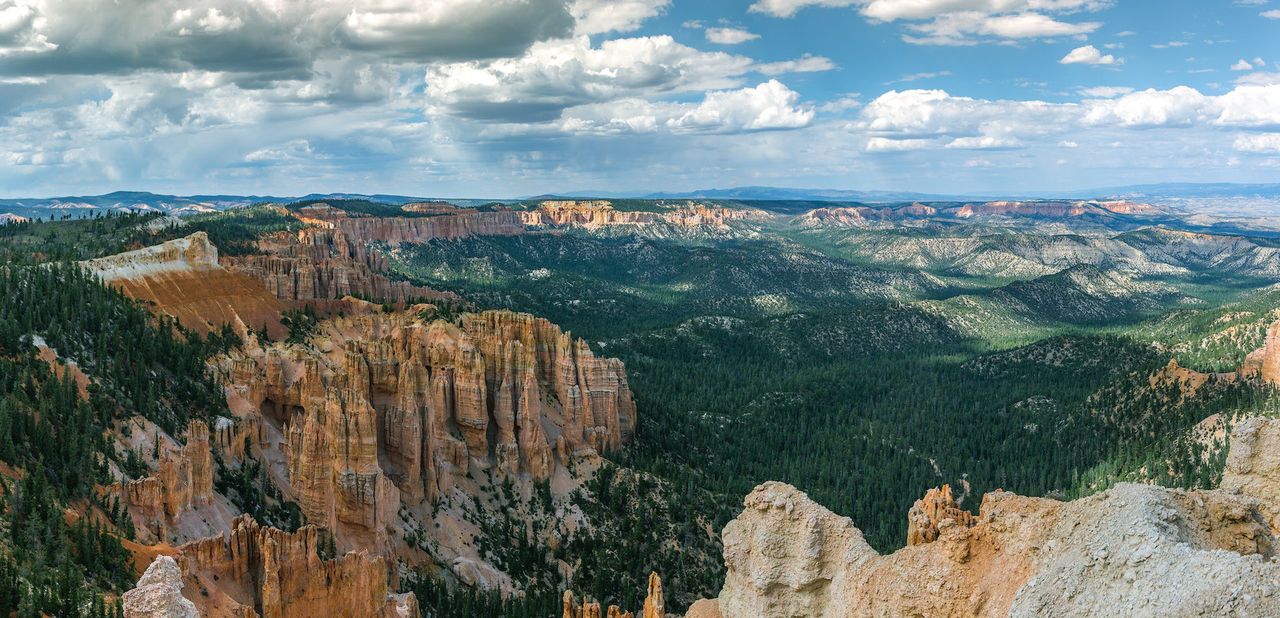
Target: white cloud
{"points": [[600, 16], [966, 121], [884, 144], [788, 8], [959, 22], [730, 36], [982, 142], [1087, 55], [1250, 106], [1260, 78], [803, 64], [555, 75], [919, 76], [1105, 92], [1272, 14], [1264, 143], [1180, 106], [1242, 65], [770, 105]]}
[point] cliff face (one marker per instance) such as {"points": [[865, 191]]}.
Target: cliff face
{"points": [[184, 279], [389, 409], [323, 263], [597, 214], [462, 223], [181, 481], [281, 575], [1134, 549]]}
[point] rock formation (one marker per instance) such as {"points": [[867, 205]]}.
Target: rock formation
{"points": [[324, 264], [934, 513], [1264, 363], [159, 593], [270, 573], [860, 216], [654, 606], [391, 408], [599, 213], [181, 481], [182, 278], [1131, 550], [1253, 466], [464, 222]]}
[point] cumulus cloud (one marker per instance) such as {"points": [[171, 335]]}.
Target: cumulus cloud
{"points": [[1263, 143], [959, 22], [730, 36], [767, 106], [262, 41], [965, 122], [803, 64], [1087, 55], [1105, 92], [555, 75], [600, 16]]}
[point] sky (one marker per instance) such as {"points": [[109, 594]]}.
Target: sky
{"points": [[502, 98]]}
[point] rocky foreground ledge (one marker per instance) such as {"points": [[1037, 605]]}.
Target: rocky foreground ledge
{"points": [[1135, 550]]}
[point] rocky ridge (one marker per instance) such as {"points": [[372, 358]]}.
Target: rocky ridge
{"points": [[184, 279], [1132, 550], [324, 264], [599, 214], [262, 571]]}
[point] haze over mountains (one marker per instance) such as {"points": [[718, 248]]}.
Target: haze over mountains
{"points": [[1224, 198]]}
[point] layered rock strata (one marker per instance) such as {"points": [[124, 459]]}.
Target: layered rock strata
{"points": [[323, 264], [384, 409], [459, 224], [1133, 550], [262, 571], [182, 278], [596, 214], [182, 481]]}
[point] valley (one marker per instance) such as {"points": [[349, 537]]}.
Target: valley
{"points": [[470, 410]]}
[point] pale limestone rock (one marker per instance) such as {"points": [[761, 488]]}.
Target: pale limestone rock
{"points": [[159, 593], [1134, 550], [1253, 465]]}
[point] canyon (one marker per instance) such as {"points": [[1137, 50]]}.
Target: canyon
{"points": [[380, 423], [399, 428]]}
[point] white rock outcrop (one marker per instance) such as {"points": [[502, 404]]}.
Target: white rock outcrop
{"points": [[1134, 550], [159, 593]]}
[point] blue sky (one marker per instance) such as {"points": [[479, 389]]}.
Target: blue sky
{"points": [[495, 98]]}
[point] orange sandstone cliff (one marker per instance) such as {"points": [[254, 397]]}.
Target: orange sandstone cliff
{"points": [[182, 278], [390, 409]]}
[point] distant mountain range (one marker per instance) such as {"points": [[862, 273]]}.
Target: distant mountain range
{"points": [[141, 201], [78, 206]]}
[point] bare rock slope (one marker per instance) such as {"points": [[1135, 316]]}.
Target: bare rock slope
{"points": [[1134, 550], [183, 279]]}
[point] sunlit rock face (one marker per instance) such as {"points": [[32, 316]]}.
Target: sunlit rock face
{"points": [[384, 409]]}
